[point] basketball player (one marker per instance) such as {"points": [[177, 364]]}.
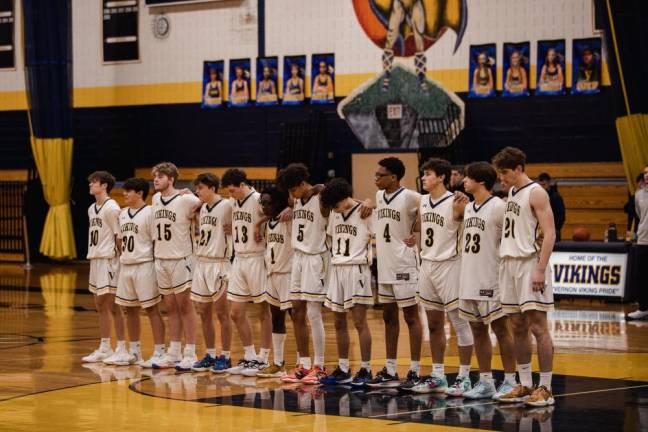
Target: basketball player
{"points": [[248, 274], [209, 286], [103, 233], [525, 277], [278, 263], [173, 213], [395, 216], [441, 213], [349, 285], [479, 298], [136, 286]]}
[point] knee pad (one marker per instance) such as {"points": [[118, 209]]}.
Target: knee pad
{"points": [[314, 313], [462, 329]]}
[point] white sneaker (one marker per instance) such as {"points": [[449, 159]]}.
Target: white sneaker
{"points": [[98, 356], [127, 358], [186, 363], [253, 368], [505, 388], [168, 360], [236, 370], [155, 358], [482, 390], [638, 315], [119, 354]]}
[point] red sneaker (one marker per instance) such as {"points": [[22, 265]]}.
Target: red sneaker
{"points": [[314, 375], [295, 375]]}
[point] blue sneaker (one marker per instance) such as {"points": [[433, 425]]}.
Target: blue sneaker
{"points": [[361, 377], [337, 377], [221, 364], [205, 364]]}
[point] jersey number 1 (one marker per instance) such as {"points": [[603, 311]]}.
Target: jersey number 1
{"points": [[164, 233], [509, 228], [347, 242]]}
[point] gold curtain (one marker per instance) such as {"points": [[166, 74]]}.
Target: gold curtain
{"points": [[632, 131], [53, 158]]}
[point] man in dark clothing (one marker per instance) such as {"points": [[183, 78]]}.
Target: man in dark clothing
{"points": [[556, 201]]}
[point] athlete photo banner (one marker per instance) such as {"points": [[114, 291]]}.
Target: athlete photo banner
{"points": [[482, 71], [267, 75], [294, 80], [551, 67], [212, 94], [515, 67], [323, 79], [586, 66], [239, 83]]}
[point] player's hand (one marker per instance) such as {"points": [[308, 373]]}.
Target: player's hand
{"points": [[227, 228], [366, 208], [286, 215], [410, 241], [185, 191], [461, 199], [258, 237], [538, 280]]}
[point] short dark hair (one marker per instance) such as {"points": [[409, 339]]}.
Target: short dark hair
{"points": [[208, 179], [334, 191], [137, 184], [278, 197], [103, 177], [544, 177], [293, 175], [440, 167], [482, 172], [234, 177], [394, 166], [640, 177], [509, 158], [460, 168]]}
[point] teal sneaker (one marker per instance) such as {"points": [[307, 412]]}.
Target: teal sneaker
{"points": [[482, 390], [461, 385], [431, 384]]}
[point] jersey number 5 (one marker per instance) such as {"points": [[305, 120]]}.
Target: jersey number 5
{"points": [[300, 232], [164, 232]]}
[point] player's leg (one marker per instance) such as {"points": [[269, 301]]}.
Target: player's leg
{"points": [[133, 323], [265, 320], [412, 317], [110, 313], [174, 353], [222, 310], [342, 374], [359, 314], [436, 382], [465, 347], [158, 330], [485, 387], [502, 330], [539, 328], [276, 369], [205, 310], [300, 326], [392, 331], [187, 315]]}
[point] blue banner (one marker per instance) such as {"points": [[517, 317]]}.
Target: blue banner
{"points": [[267, 74], [551, 67], [212, 88], [586, 66], [516, 63], [323, 79], [482, 71], [294, 78], [239, 83]]}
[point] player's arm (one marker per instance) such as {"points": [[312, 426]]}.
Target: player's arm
{"points": [[416, 227], [539, 200], [366, 207], [459, 203], [258, 228]]}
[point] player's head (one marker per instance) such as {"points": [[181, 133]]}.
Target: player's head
{"points": [[389, 173], [100, 182], [273, 201], [544, 180], [509, 163], [165, 175], [479, 174], [335, 193], [435, 172], [206, 186], [236, 182], [456, 175], [136, 189], [294, 179]]}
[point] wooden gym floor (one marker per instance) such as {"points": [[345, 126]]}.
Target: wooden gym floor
{"points": [[47, 322]]}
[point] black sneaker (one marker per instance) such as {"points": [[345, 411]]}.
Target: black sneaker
{"points": [[412, 379], [383, 379], [337, 377], [361, 377]]}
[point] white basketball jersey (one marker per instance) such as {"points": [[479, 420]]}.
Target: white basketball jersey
{"points": [[480, 258], [520, 229], [212, 241], [350, 236], [309, 226], [394, 220], [439, 230], [245, 215], [279, 251], [135, 231], [104, 226], [172, 218]]}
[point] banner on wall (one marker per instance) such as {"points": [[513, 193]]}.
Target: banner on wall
{"points": [[551, 67], [239, 83], [294, 74], [120, 31], [516, 69], [323, 79], [212, 96], [7, 48], [589, 273], [482, 70], [586, 66], [267, 74]]}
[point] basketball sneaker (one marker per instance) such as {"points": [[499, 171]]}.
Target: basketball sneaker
{"points": [[205, 364], [384, 379], [221, 364], [126, 358], [431, 384], [98, 355], [188, 360], [461, 385], [361, 377], [337, 377], [236, 370], [482, 390], [272, 371], [519, 393], [168, 360], [314, 376], [505, 388], [295, 375], [253, 368], [155, 358], [412, 379], [540, 397], [638, 315]]}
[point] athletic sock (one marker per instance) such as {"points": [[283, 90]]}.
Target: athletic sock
{"points": [[438, 369], [391, 366], [524, 370], [464, 370], [366, 365], [249, 353], [121, 345], [415, 366], [105, 344], [211, 352], [226, 354], [158, 349], [314, 314], [545, 379], [190, 350], [134, 346], [264, 353], [510, 377], [174, 347], [344, 364], [305, 362], [278, 341], [486, 377]]}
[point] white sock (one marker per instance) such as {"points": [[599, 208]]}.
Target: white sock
{"points": [[174, 347], [190, 350], [159, 349], [366, 365], [510, 377], [264, 353], [121, 345], [486, 377], [305, 362], [391, 366], [314, 314], [524, 370], [211, 352], [297, 361], [134, 346], [249, 353], [438, 369], [464, 370], [415, 366], [104, 345], [344, 365], [545, 379], [278, 341]]}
